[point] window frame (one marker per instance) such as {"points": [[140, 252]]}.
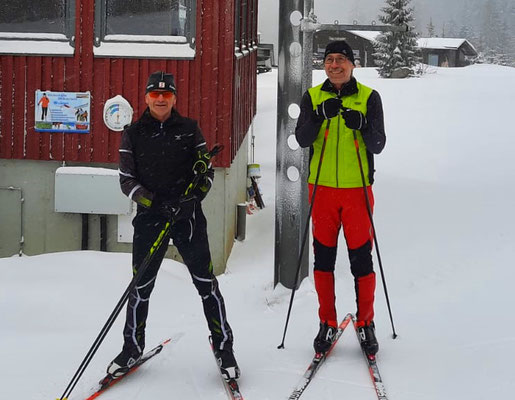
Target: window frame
{"points": [[34, 43], [147, 46]]}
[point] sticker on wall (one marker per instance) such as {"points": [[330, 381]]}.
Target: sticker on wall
{"points": [[67, 112]]}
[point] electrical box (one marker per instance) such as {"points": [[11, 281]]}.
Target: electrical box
{"points": [[89, 190]]}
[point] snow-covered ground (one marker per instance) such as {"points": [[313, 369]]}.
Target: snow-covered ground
{"points": [[444, 215]]}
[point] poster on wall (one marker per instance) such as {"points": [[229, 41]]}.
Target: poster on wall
{"points": [[67, 112]]}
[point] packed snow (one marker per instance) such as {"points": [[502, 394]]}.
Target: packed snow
{"points": [[444, 186]]}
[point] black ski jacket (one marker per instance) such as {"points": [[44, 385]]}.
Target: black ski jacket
{"points": [[156, 158]]}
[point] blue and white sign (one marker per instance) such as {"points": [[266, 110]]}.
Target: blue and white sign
{"points": [[67, 112]]}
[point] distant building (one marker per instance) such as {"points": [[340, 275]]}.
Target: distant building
{"points": [[446, 52], [441, 52]]}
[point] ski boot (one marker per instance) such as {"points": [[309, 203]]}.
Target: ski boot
{"points": [[227, 363], [367, 338], [324, 338], [123, 362]]}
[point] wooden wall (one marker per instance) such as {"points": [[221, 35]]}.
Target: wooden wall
{"points": [[214, 88]]}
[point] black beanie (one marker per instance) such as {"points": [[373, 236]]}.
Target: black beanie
{"points": [[160, 80], [340, 46]]}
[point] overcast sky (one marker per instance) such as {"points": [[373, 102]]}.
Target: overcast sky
{"points": [[364, 11]]}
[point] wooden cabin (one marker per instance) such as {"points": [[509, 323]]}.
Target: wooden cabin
{"points": [[446, 52], [100, 49]]}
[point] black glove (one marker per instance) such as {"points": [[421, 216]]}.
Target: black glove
{"points": [[202, 162], [203, 186], [204, 173], [164, 207], [329, 108], [186, 208], [354, 119]]}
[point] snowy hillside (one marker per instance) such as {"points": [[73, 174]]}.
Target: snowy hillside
{"points": [[444, 217]]}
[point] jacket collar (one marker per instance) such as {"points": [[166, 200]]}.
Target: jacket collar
{"points": [[347, 89], [147, 118]]}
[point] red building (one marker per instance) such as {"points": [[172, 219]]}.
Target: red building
{"points": [[108, 48]]}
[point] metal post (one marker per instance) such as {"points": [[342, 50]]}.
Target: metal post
{"points": [[291, 192]]}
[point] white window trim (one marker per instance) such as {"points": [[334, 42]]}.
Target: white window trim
{"points": [[142, 46], [147, 49], [36, 44]]}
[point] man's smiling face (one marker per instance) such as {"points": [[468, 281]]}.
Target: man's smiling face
{"points": [[160, 104], [338, 69]]}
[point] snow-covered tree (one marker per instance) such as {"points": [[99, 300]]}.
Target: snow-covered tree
{"points": [[490, 31], [394, 50], [452, 30], [510, 17], [466, 32], [430, 28]]}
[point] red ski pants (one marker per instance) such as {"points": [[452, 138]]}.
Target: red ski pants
{"points": [[334, 209]]}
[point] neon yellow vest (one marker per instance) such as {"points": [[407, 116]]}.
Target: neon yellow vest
{"points": [[340, 168]]}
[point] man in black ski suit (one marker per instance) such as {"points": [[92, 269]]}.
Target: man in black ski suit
{"points": [[165, 168]]}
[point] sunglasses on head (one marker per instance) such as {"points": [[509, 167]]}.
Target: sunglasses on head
{"points": [[155, 94]]}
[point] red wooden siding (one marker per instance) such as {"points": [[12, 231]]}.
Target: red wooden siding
{"points": [[214, 88], [244, 98]]}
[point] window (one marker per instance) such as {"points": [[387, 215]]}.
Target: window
{"points": [[153, 28], [37, 27]]}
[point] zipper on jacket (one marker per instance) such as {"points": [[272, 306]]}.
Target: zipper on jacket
{"points": [[338, 141], [337, 148]]}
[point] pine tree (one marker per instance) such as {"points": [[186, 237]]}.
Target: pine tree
{"points": [[431, 28], [452, 30], [394, 50], [510, 17], [494, 39]]}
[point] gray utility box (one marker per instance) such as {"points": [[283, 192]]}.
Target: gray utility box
{"points": [[87, 190]]}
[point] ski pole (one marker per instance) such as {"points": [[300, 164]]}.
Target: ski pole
{"points": [[136, 278], [109, 323], [305, 234], [369, 210]]}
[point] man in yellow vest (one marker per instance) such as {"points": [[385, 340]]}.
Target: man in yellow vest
{"points": [[348, 107]]}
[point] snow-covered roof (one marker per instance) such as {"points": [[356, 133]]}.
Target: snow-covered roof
{"points": [[369, 35], [426, 43], [446, 43], [440, 43]]}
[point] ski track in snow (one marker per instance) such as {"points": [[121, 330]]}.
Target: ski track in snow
{"points": [[445, 229]]}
